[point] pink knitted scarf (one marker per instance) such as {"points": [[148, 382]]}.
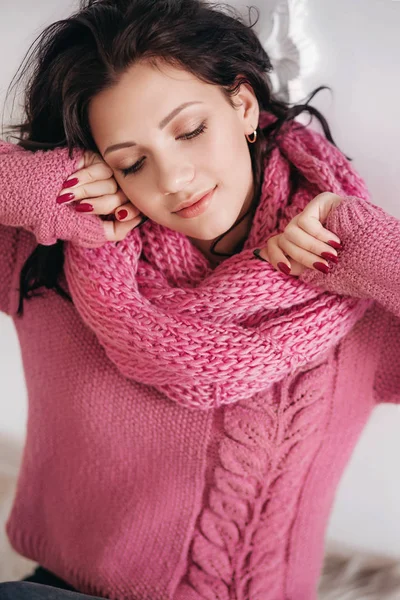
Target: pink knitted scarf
{"points": [[207, 337]]}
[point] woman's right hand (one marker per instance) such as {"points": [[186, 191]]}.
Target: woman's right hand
{"points": [[93, 190]]}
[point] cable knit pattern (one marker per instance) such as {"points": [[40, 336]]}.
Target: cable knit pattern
{"points": [[239, 547], [128, 495], [219, 336]]}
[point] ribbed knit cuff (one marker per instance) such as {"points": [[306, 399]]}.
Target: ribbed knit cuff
{"points": [[85, 230], [369, 264], [30, 184]]}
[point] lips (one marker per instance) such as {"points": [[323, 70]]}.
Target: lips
{"points": [[193, 200]]}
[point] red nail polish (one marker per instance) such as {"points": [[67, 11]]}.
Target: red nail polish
{"points": [[284, 268], [83, 207], [321, 267], [329, 256], [70, 183], [122, 214], [335, 245], [65, 198]]}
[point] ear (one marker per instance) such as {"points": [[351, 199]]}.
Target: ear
{"points": [[247, 107]]}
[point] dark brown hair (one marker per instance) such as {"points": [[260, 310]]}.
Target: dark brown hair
{"points": [[74, 59]]}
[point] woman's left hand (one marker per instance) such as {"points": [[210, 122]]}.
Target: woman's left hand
{"points": [[305, 243]]}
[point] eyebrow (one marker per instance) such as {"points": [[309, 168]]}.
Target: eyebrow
{"points": [[161, 125]]}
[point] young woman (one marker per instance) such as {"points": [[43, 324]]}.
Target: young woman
{"points": [[191, 408]]}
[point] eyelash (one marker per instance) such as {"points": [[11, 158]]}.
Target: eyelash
{"points": [[187, 136]]}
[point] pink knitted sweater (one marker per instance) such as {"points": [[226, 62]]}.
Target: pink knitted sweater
{"points": [[239, 507]]}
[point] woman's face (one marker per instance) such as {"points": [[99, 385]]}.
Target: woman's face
{"points": [[147, 115]]}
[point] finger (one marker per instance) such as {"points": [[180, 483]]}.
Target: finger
{"points": [[88, 190], [89, 157], [103, 205], [315, 214], [94, 172], [277, 258], [304, 257], [325, 202], [127, 212], [301, 238], [314, 227], [116, 231]]}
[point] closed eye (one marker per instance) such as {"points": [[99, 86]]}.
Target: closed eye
{"points": [[186, 136]]}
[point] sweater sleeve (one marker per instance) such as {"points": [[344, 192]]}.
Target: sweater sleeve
{"points": [[369, 267], [29, 185], [8, 247], [387, 375], [369, 264]]}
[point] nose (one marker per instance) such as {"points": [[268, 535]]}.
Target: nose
{"points": [[174, 173]]}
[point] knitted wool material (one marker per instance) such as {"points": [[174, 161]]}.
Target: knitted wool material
{"points": [[35, 208], [129, 496], [216, 336]]}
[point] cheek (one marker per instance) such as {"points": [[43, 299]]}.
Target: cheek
{"points": [[231, 140], [141, 197], [132, 189], [234, 157]]}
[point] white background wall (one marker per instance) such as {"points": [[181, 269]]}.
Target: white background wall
{"points": [[359, 48]]}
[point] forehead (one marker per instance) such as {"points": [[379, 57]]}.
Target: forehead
{"points": [[143, 95]]}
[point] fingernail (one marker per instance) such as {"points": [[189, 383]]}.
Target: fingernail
{"points": [[65, 198], [321, 267], [335, 245], [256, 253], [122, 214], [284, 268], [70, 183], [84, 207], [329, 256]]}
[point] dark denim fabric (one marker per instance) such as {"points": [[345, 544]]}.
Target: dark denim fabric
{"points": [[45, 577], [41, 585]]}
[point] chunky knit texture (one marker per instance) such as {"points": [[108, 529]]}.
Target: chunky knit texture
{"points": [[216, 337], [128, 490]]}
